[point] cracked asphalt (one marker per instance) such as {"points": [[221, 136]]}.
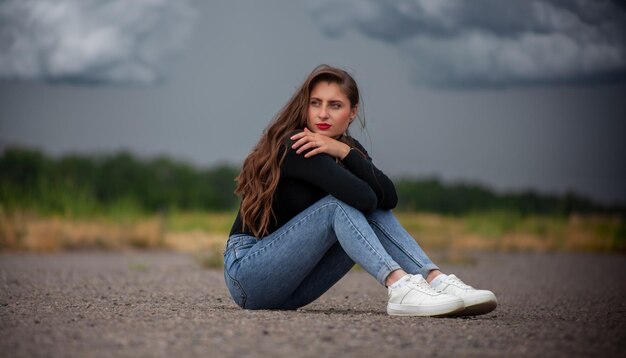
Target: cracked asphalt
{"points": [[163, 304]]}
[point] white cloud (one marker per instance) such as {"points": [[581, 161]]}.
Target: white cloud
{"points": [[120, 41], [491, 42]]}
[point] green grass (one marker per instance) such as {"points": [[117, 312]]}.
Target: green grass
{"points": [[498, 223]]}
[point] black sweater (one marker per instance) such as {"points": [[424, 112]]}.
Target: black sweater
{"points": [[303, 181]]}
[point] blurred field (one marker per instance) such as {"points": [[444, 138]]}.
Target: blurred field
{"points": [[205, 233], [118, 201]]}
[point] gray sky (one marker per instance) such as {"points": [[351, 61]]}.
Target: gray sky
{"points": [[526, 105]]}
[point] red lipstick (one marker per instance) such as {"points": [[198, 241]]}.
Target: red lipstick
{"points": [[323, 126]]}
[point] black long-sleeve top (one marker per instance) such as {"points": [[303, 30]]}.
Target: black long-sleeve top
{"points": [[303, 181]]}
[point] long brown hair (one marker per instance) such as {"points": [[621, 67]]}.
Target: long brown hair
{"points": [[261, 169]]}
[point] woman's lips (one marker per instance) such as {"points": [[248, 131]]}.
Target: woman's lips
{"points": [[323, 126]]}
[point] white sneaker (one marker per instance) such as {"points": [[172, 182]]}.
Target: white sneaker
{"points": [[418, 298], [476, 301]]}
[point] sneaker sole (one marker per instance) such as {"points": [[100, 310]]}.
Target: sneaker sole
{"points": [[478, 309], [443, 309]]}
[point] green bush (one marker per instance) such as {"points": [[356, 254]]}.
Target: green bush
{"points": [[117, 184]]}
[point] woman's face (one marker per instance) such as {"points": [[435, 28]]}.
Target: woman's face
{"points": [[329, 110]]}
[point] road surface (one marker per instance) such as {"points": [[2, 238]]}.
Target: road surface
{"points": [[163, 304]]}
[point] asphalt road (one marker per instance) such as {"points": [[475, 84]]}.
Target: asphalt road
{"points": [[161, 304]]}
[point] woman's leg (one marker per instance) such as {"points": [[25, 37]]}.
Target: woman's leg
{"points": [[407, 252], [283, 268], [332, 267], [399, 243]]}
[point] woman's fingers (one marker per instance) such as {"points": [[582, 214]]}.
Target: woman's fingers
{"points": [[306, 140], [298, 135], [303, 138], [302, 134], [306, 146], [318, 147], [302, 141]]}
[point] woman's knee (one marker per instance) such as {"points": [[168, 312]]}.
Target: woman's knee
{"points": [[329, 199], [335, 204]]}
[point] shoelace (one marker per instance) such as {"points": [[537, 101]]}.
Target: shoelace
{"points": [[457, 282], [421, 284]]}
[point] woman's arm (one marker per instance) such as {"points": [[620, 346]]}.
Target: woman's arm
{"points": [[323, 171], [376, 179], [311, 144]]}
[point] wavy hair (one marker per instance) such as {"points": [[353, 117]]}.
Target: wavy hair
{"points": [[260, 173]]}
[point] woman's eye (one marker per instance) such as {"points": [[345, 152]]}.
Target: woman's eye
{"points": [[335, 106], [315, 103]]}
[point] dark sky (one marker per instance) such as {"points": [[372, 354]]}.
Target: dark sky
{"points": [[446, 91]]}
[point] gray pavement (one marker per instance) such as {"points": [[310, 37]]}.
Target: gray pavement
{"points": [[162, 304]]}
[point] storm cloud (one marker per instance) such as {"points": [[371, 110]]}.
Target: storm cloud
{"points": [[491, 42], [115, 41]]}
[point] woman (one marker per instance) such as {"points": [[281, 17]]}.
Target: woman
{"points": [[313, 204]]}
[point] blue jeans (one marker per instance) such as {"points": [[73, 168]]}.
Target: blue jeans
{"points": [[297, 263]]}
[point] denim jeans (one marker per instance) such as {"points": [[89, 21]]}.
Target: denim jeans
{"points": [[301, 260]]}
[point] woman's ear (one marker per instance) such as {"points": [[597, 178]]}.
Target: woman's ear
{"points": [[353, 111]]}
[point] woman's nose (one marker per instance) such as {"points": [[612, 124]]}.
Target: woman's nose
{"points": [[323, 113]]}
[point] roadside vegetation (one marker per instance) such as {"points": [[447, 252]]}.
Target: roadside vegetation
{"points": [[119, 201]]}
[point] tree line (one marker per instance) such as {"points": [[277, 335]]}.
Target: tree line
{"points": [[455, 199], [90, 184]]}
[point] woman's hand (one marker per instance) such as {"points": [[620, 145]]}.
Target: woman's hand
{"points": [[322, 144]]}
